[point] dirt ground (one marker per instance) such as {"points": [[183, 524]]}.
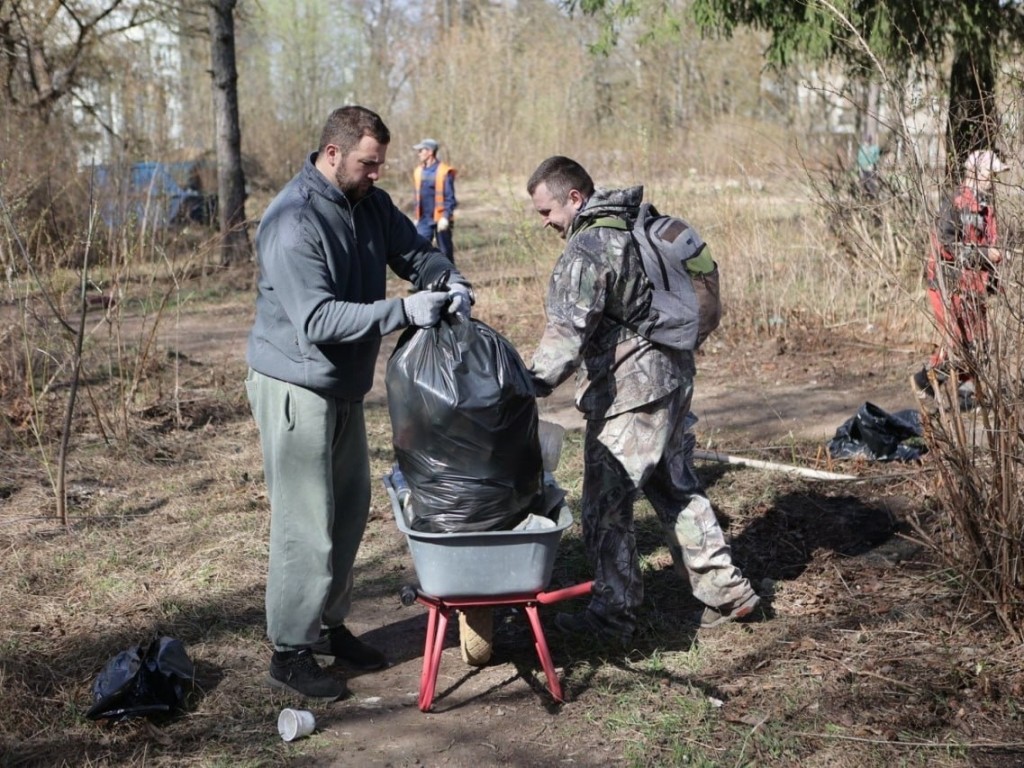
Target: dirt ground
{"points": [[752, 399], [856, 635]]}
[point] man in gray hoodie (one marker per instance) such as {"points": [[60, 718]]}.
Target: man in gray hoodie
{"points": [[323, 246]]}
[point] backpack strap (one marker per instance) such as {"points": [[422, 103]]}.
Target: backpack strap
{"points": [[654, 266], [608, 222]]}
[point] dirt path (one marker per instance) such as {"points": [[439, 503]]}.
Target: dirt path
{"points": [[749, 397], [746, 394], [800, 397]]}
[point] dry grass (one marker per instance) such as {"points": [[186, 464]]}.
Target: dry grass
{"points": [[870, 657], [978, 454]]}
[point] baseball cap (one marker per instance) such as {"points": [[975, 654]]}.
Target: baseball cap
{"points": [[984, 160], [426, 144]]}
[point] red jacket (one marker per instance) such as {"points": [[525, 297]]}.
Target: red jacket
{"points": [[965, 221]]}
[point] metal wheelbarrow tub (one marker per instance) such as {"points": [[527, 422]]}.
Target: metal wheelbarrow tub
{"points": [[485, 563]]}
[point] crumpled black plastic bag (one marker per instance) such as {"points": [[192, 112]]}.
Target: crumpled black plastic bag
{"points": [[143, 681], [464, 427], [875, 434]]}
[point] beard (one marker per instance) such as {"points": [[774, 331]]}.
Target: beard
{"points": [[352, 189]]}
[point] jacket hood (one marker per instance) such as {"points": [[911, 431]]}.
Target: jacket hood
{"points": [[624, 203], [319, 184]]}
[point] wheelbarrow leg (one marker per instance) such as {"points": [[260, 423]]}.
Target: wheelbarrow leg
{"points": [[437, 624], [440, 611], [541, 644]]}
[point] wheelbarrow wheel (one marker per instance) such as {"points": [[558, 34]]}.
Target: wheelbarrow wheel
{"points": [[476, 635]]}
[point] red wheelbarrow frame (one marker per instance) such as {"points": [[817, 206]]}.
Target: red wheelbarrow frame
{"points": [[441, 609]]}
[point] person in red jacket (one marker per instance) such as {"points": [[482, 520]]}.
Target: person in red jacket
{"points": [[961, 273], [434, 186]]}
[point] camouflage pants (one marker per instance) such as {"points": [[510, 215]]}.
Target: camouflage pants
{"points": [[650, 450]]}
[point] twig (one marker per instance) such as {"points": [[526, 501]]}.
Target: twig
{"points": [[883, 678], [76, 371], [9, 221], [842, 580], [746, 738]]}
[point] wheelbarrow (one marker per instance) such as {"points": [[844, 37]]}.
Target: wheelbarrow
{"points": [[473, 573]]}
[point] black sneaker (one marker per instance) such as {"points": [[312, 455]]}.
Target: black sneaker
{"points": [[298, 672], [350, 650], [588, 626], [922, 385], [967, 396]]}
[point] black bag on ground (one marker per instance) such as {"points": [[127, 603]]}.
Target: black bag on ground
{"points": [[143, 681], [874, 433], [464, 426]]}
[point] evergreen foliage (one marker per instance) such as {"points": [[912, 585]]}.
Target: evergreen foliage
{"points": [[894, 36]]}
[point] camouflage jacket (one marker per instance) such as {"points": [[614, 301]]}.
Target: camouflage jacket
{"points": [[597, 295]]}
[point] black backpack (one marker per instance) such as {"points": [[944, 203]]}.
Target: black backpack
{"points": [[685, 305]]}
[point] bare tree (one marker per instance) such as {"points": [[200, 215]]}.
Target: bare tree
{"points": [[48, 50], [230, 176]]}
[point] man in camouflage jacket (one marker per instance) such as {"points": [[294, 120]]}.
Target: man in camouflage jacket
{"points": [[635, 397]]}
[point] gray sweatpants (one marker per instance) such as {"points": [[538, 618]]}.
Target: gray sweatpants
{"points": [[317, 470], [649, 450]]}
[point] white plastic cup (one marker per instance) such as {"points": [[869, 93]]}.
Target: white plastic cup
{"points": [[293, 724], [551, 436]]}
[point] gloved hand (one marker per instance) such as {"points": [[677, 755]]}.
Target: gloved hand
{"points": [[443, 224], [461, 300], [540, 387], [424, 308]]}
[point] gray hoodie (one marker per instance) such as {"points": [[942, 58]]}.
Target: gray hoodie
{"points": [[320, 306]]}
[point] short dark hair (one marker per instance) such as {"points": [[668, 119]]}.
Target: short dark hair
{"points": [[346, 126], [561, 175]]}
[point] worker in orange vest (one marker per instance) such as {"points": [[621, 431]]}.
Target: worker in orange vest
{"points": [[434, 183]]}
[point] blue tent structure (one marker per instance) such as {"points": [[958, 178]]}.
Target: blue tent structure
{"points": [[158, 194]]}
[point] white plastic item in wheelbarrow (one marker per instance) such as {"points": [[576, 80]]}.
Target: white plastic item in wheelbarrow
{"points": [[481, 564], [551, 436]]}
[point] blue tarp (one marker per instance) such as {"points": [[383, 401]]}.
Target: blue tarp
{"points": [[159, 194]]}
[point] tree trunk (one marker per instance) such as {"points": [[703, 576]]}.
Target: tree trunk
{"points": [[871, 110], [973, 121], [230, 177]]}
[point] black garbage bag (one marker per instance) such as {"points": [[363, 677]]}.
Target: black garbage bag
{"points": [[143, 681], [875, 434], [464, 426]]}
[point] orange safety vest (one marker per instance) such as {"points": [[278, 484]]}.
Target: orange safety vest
{"points": [[443, 170]]}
